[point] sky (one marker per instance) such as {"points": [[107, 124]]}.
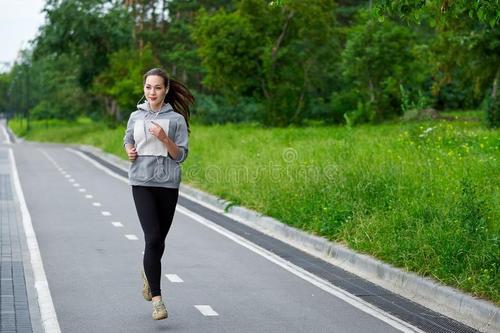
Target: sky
{"points": [[19, 23]]}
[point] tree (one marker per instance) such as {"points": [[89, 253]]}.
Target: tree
{"points": [[49, 86], [442, 12], [171, 40], [229, 47], [272, 54], [377, 59], [120, 85], [87, 30], [5, 81], [468, 35], [74, 46]]}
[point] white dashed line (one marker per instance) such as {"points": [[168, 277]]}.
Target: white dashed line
{"points": [[76, 185], [131, 237], [67, 176], [206, 310], [96, 204], [174, 278], [82, 190], [117, 224], [89, 196], [106, 213], [71, 180]]}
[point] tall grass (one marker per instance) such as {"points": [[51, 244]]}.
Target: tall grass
{"points": [[421, 196]]}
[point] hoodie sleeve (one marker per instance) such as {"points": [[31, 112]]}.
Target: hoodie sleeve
{"points": [[181, 140], [129, 132]]}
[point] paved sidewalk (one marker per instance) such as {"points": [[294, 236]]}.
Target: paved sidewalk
{"points": [[15, 268]]}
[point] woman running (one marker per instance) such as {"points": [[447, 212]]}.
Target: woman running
{"points": [[156, 141]]}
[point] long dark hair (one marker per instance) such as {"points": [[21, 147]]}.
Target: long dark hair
{"points": [[178, 95]]}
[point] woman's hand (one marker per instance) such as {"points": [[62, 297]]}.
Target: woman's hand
{"points": [[158, 132], [131, 152]]}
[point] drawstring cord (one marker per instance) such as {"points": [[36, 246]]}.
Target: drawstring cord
{"points": [[159, 170], [155, 116]]}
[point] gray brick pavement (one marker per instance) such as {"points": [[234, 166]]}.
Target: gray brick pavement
{"points": [[14, 306]]}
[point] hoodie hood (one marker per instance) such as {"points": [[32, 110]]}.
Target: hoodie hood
{"points": [[145, 107]]}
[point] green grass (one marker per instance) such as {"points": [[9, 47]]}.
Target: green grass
{"points": [[421, 196], [82, 131]]}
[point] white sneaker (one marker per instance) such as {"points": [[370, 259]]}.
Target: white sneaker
{"points": [[159, 310]]}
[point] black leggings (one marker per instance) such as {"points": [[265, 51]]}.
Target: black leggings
{"points": [[155, 207]]}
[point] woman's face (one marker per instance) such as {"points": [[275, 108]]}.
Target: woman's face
{"points": [[154, 90]]}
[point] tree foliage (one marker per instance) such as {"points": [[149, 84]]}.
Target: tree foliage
{"points": [[467, 42], [276, 62], [376, 60], [277, 55]]}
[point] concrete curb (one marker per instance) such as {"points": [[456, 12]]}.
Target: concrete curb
{"points": [[479, 314]]}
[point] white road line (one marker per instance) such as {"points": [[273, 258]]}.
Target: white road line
{"points": [[67, 176], [298, 271], [131, 237], [117, 224], [71, 180], [174, 278], [97, 165], [206, 310], [89, 196], [305, 275], [82, 190], [7, 137], [76, 185], [106, 213], [50, 159], [96, 204], [47, 310]]}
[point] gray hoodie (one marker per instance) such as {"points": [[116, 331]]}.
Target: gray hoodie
{"points": [[154, 166]]}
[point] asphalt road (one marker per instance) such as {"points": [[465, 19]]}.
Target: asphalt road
{"points": [[91, 245]]}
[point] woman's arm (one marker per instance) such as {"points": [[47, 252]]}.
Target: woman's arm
{"points": [[128, 140]]}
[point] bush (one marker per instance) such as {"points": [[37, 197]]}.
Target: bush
{"points": [[48, 110], [343, 102], [364, 113], [216, 109], [456, 95]]}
